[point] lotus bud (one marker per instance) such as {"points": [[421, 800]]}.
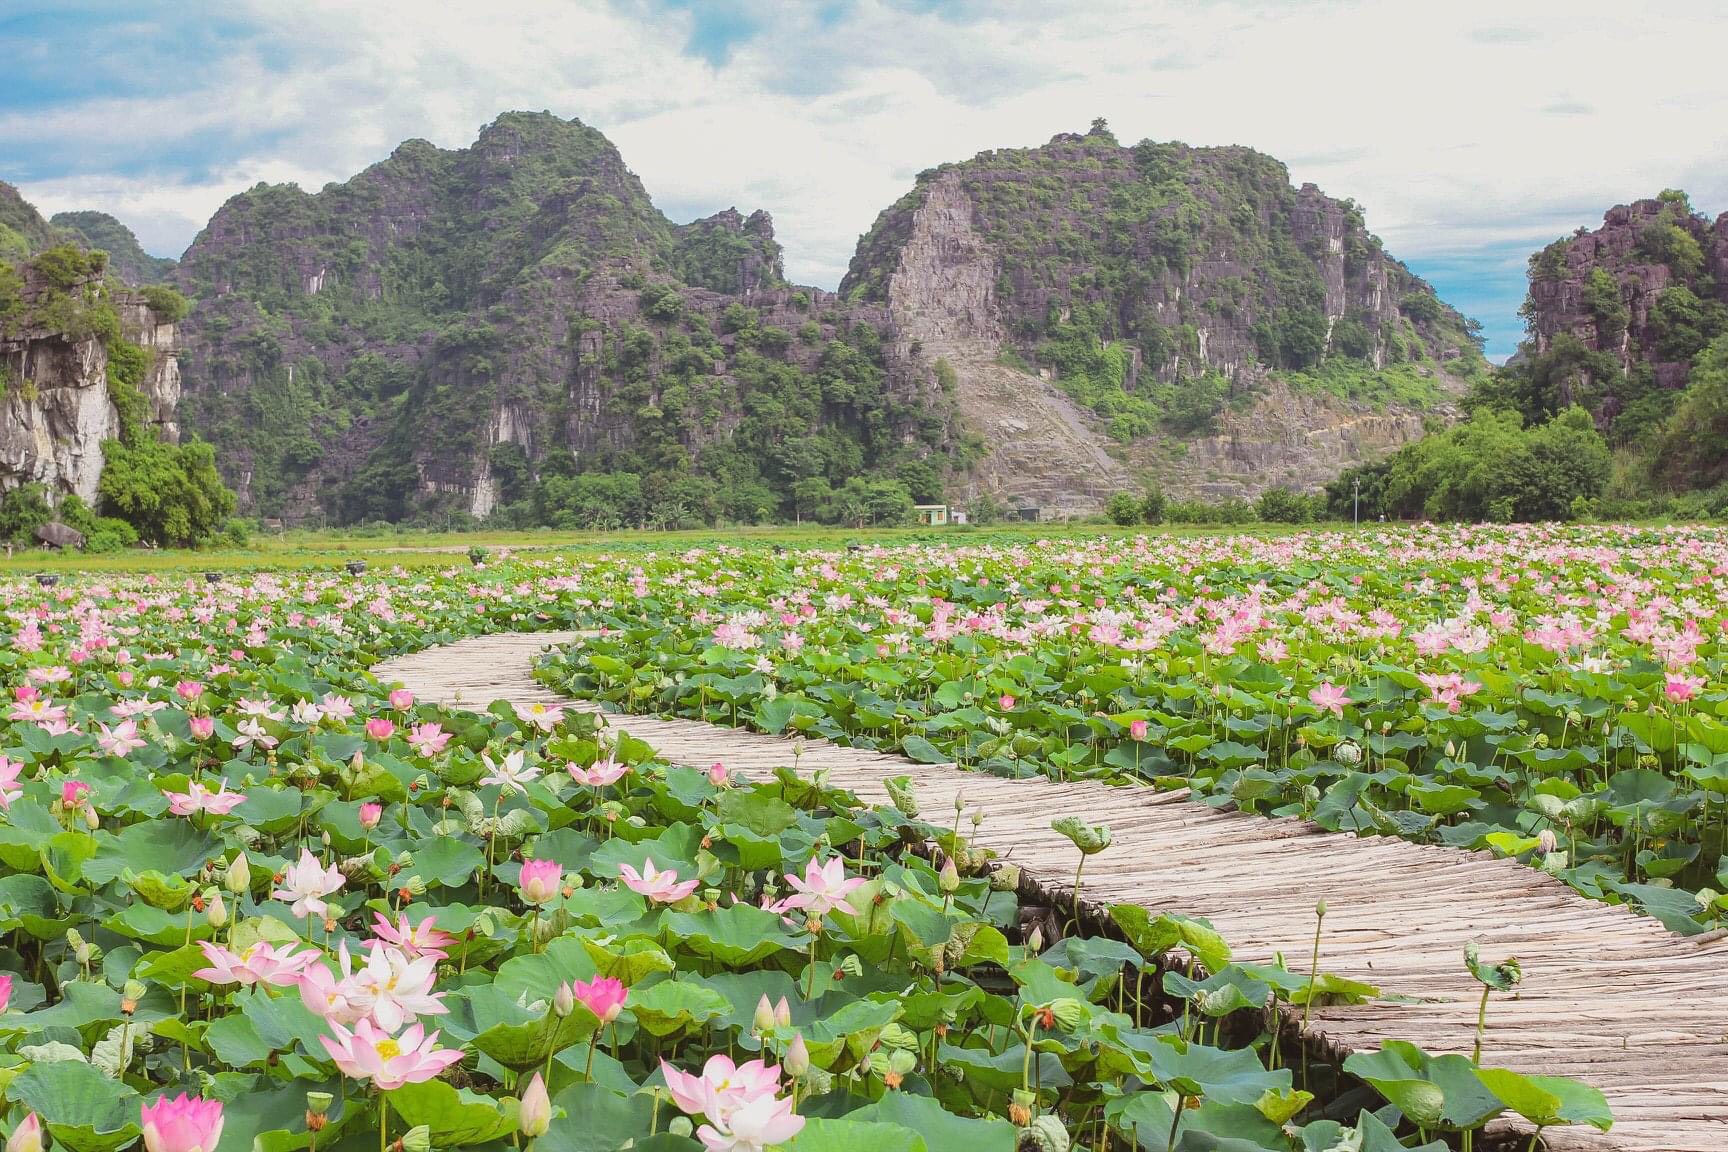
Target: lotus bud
{"points": [[797, 1059], [959, 802], [948, 880], [216, 912], [782, 1014], [1035, 942], [1451, 750], [416, 1139], [764, 1015], [564, 1001], [1547, 841], [1005, 879], [543, 931], [1320, 909], [238, 878], [92, 821], [536, 1115], [680, 1126], [27, 1137]]}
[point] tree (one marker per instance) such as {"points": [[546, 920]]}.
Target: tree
{"points": [[1153, 504], [1283, 506], [1691, 453], [171, 494], [1123, 508]]}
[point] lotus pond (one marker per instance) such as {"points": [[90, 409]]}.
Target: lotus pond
{"points": [[251, 897]]}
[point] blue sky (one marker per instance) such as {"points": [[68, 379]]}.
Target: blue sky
{"points": [[1471, 132]]}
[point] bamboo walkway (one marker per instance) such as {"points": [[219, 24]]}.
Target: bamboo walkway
{"points": [[1609, 997]]}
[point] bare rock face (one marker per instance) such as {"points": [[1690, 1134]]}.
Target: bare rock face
{"points": [[57, 409], [1192, 268], [1602, 289]]}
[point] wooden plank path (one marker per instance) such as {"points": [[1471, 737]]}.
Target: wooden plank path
{"points": [[1609, 996]]}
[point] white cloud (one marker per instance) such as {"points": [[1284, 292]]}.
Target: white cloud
{"points": [[1459, 127]]}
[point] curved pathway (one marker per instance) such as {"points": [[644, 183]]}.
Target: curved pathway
{"points": [[1609, 997]]}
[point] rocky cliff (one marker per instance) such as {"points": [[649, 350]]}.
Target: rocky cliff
{"points": [[1112, 312], [1616, 311], [59, 401], [459, 330]]}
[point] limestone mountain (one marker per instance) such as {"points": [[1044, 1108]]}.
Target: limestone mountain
{"points": [[515, 325], [1630, 321], [85, 358], [101, 232], [1109, 312]]}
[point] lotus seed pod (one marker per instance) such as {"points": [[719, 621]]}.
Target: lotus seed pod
{"points": [[1047, 1134], [417, 1139], [1068, 1012], [318, 1103], [415, 886], [133, 990], [680, 1126], [1005, 879], [900, 1062]]}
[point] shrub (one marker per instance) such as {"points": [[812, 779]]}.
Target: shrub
{"points": [[1123, 508], [1283, 506]]}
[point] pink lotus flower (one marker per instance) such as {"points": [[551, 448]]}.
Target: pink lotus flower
{"points": [[202, 727], [259, 964], [539, 881], [401, 699], [72, 793], [662, 887], [599, 774], [428, 739], [183, 1124], [394, 987], [306, 882], [370, 814], [1683, 688], [1005, 702], [189, 690], [198, 798], [370, 1053], [1137, 729], [330, 996], [718, 775], [27, 1137], [602, 996], [423, 939], [823, 888], [5, 990], [753, 1126], [120, 740], [9, 788], [722, 1085], [380, 729], [1328, 697]]}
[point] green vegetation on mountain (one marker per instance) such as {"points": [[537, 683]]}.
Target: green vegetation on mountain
{"points": [[514, 330], [126, 256]]}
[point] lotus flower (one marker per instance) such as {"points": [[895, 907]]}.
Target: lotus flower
{"points": [[752, 1126], [27, 1137], [401, 699], [370, 1053], [540, 880], [259, 964], [603, 996], [1328, 697], [306, 883], [423, 939], [329, 996], [823, 887], [9, 789], [662, 887], [370, 814], [536, 1113], [380, 729], [198, 798], [183, 1124], [428, 739], [121, 739], [72, 793], [512, 775], [201, 727], [721, 1086], [600, 773], [5, 990], [394, 987]]}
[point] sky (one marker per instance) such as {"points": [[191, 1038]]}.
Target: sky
{"points": [[1471, 132]]}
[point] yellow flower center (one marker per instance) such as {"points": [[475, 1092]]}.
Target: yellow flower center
{"points": [[387, 1049]]}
